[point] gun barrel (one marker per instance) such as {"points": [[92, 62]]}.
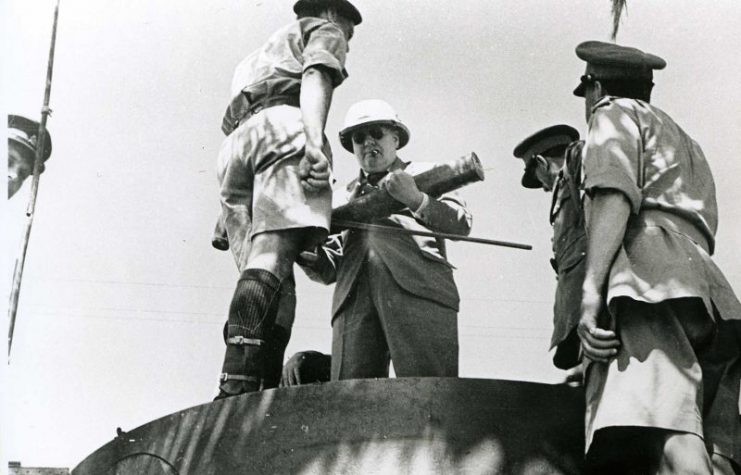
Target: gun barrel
{"points": [[437, 181]]}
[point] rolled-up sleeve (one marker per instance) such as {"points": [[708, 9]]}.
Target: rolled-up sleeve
{"points": [[326, 47], [612, 152]]}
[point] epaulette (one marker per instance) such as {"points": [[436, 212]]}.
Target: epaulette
{"points": [[574, 149], [573, 160]]}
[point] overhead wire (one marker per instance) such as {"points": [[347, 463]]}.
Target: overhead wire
{"points": [[308, 295], [221, 287], [477, 335], [219, 317], [463, 327]]}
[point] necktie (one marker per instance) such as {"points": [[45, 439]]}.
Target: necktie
{"points": [[369, 182], [374, 178]]}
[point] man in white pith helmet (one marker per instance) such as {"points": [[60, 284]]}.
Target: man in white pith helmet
{"points": [[395, 298]]}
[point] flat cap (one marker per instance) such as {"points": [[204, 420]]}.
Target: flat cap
{"points": [[23, 131], [343, 7], [540, 142], [611, 61]]}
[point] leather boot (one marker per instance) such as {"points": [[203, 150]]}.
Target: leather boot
{"points": [[242, 370]]}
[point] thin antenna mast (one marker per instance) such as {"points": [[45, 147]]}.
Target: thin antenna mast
{"points": [[20, 262]]}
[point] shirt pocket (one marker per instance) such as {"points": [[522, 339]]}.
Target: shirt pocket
{"points": [[571, 253]]}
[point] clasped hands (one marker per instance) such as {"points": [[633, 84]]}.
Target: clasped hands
{"points": [[598, 344], [314, 170]]}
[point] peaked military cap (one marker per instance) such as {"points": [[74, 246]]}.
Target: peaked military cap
{"points": [[611, 61], [540, 142], [24, 132], [344, 8]]}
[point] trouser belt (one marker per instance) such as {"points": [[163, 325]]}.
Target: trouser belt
{"points": [[270, 101]]}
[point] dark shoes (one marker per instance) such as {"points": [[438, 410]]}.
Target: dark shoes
{"points": [[234, 386]]}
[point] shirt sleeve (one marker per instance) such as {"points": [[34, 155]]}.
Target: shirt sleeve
{"points": [[326, 46], [447, 214], [612, 153]]}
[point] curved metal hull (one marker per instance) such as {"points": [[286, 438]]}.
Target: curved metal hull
{"points": [[385, 426]]}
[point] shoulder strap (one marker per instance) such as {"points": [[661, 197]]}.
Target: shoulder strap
{"points": [[572, 174]]}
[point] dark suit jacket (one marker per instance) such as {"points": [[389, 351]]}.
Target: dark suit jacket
{"points": [[569, 261], [418, 264]]}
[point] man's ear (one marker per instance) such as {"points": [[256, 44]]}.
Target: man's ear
{"points": [[330, 14], [541, 160], [599, 90]]}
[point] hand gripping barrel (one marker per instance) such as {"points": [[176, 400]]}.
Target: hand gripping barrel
{"points": [[436, 181], [440, 179]]}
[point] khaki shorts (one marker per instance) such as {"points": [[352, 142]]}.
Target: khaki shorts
{"points": [[721, 366], [260, 186], [656, 379]]}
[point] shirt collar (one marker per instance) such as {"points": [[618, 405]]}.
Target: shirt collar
{"points": [[374, 178]]}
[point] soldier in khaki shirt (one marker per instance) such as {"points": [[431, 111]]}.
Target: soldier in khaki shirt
{"points": [[273, 171], [651, 218]]}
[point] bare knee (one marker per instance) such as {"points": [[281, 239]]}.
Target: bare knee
{"points": [[275, 251], [684, 453]]}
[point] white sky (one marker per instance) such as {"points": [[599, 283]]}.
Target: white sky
{"points": [[123, 298]]}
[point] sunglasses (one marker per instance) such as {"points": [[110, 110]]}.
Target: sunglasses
{"points": [[376, 133]]}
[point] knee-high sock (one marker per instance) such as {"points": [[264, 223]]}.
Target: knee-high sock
{"points": [[254, 305], [252, 316]]}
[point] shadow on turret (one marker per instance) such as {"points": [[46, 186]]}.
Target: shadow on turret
{"points": [[388, 426]]}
